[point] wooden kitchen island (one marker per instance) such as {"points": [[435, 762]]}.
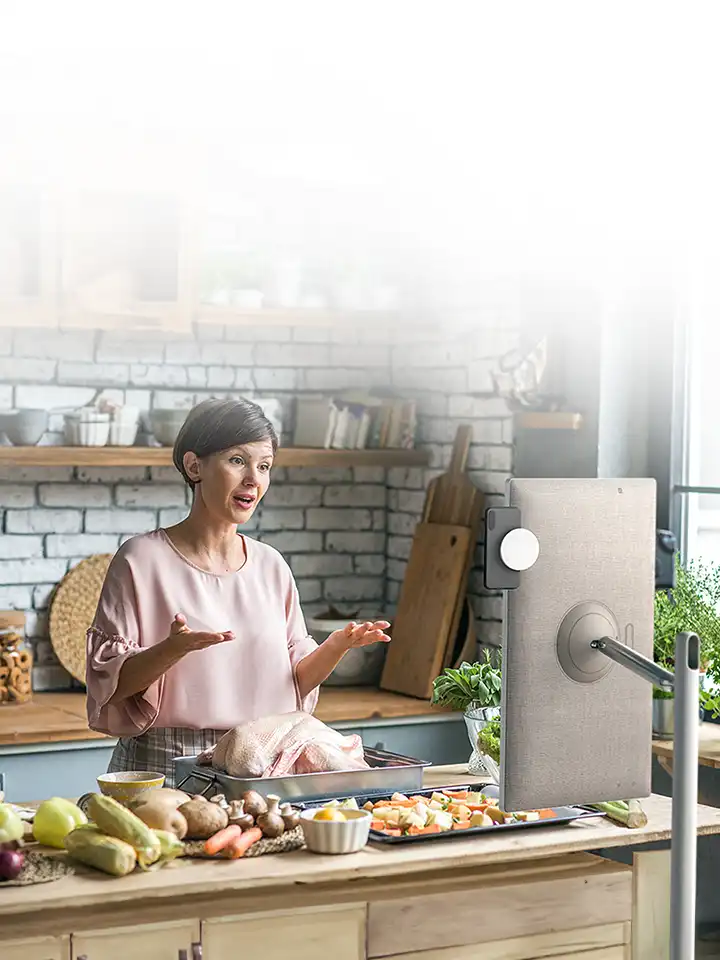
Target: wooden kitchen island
{"points": [[525, 894]]}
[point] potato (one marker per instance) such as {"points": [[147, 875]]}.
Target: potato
{"points": [[203, 818], [162, 816]]}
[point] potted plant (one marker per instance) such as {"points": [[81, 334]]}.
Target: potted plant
{"points": [[692, 605], [475, 688]]}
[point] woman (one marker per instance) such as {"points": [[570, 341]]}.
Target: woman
{"points": [[199, 628]]}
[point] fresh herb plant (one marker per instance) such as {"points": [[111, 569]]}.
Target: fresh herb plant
{"points": [[692, 605], [472, 683]]}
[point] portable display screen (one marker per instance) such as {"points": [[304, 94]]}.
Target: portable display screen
{"points": [[577, 728]]}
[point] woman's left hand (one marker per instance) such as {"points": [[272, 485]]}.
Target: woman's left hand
{"points": [[362, 634]]}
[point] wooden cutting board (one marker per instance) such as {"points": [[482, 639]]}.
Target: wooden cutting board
{"points": [[453, 498], [425, 624]]}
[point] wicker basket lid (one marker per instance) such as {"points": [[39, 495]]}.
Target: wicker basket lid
{"points": [[73, 609]]}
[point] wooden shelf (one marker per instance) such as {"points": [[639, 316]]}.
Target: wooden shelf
{"points": [[162, 457], [291, 316], [559, 420]]}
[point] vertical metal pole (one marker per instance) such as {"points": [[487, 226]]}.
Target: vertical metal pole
{"points": [[683, 870]]}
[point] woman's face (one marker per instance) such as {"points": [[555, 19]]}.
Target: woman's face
{"points": [[233, 482]]}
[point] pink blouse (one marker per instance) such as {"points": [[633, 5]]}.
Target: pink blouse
{"points": [[217, 688]]}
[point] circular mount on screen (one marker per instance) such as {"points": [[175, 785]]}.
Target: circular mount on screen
{"points": [[582, 624], [519, 549]]}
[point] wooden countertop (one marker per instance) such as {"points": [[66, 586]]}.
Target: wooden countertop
{"points": [[194, 885], [53, 717], [709, 748]]}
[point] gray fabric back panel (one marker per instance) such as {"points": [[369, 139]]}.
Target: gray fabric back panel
{"points": [[566, 742]]}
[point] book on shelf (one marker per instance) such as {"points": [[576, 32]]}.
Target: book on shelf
{"points": [[355, 422]]}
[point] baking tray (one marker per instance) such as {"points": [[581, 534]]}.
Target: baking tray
{"points": [[386, 772], [564, 815]]}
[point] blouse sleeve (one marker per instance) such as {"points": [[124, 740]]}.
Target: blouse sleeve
{"points": [[113, 638], [300, 644]]}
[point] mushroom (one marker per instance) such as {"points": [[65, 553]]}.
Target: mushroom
{"points": [[290, 816], [254, 804], [271, 823], [219, 798], [236, 815]]}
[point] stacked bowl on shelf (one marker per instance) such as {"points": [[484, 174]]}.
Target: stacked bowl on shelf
{"points": [[94, 427]]}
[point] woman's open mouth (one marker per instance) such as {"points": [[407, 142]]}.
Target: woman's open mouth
{"points": [[246, 501]]}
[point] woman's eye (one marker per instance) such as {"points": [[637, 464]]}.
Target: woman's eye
{"points": [[236, 460], [265, 467]]}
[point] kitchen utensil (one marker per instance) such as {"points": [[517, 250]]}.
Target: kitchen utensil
{"points": [[454, 498], [72, 611], [24, 428], [360, 667], [165, 425], [126, 785], [563, 815], [427, 612], [336, 837], [387, 771]]}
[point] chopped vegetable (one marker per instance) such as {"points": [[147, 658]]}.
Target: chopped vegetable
{"points": [[628, 813]]}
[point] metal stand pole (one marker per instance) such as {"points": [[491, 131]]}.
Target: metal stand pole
{"points": [[683, 870], [683, 850]]}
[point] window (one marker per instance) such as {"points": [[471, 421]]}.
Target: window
{"points": [[696, 490]]}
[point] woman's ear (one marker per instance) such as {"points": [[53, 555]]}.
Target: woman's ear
{"points": [[191, 462]]}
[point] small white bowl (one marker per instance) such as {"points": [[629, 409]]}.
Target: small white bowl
{"points": [[333, 837]]}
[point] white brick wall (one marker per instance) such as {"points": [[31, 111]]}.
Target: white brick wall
{"points": [[347, 533]]}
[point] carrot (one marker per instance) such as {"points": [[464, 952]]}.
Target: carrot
{"points": [[433, 828], [477, 807], [547, 814], [377, 824], [218, 841], [393, 833], [456, 794], [239, 846], [415, 831], [463, 825]]}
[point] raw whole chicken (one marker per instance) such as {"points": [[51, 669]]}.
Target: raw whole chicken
{"points": [[284, 744]]}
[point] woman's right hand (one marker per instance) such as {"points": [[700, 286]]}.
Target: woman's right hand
{"points": [[196, 639]]}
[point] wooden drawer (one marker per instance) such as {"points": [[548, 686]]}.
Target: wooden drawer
{"points": [[300, 935], [611, 942], [36, 948], [147, 941], [507, 903]]}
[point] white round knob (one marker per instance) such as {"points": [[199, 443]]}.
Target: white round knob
{"points": [[519, 549]]}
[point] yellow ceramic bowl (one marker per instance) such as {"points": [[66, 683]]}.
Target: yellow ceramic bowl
{"points": [[129, 784]]}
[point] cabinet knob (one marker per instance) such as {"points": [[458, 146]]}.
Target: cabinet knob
{"points": [[182, 955]]}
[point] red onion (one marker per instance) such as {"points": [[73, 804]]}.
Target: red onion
{"points": [[11, 863]]}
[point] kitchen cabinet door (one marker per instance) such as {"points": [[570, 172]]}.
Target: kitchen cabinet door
{"points": [[36, 948], [302, 935], [150, 941]]}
